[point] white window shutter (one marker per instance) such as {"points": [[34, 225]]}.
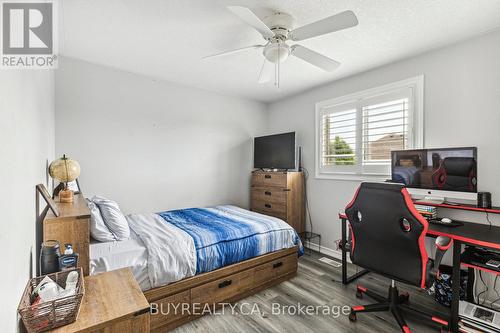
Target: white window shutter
{"points": [[355, 134], [339, 138], [385, 128]]}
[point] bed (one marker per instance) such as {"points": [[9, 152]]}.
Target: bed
{"points": [[201, 255]]}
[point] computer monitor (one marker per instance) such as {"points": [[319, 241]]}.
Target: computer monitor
{"points": [[447, 173]]}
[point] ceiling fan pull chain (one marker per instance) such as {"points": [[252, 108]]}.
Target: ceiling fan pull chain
{"points": [[275, 74], [278, 66]]}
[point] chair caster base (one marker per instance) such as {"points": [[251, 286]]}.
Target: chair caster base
{"points": [[397, 303]]}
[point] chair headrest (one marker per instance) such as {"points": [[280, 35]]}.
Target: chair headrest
{"points": [[396, 187], [459, 166]]}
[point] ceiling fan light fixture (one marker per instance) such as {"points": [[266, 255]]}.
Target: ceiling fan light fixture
{"points": [[276, 52]]}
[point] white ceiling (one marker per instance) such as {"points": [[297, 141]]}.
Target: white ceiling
{"points": [[167, 39]]}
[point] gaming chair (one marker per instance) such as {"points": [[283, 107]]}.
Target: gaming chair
{"points": [[387, 237]]}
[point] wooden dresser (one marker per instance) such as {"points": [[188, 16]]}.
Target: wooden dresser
{"points": [[280, 194], [71, 226]]}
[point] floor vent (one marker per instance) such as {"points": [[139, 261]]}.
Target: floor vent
{"points": [[330, 262]]}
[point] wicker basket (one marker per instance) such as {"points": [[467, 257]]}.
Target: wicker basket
{"points": [[48, 315]]}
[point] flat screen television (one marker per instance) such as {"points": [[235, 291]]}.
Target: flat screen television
{"points": [[440, 172], [275, 151]]}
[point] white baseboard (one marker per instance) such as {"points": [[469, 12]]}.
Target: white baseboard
{"points": [[337, 254]]}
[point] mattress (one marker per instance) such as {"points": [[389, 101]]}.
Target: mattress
{"points": [[170, 246], [131, 253]]}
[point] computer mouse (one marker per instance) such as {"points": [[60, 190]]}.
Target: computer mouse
{"points": [[446, 220]]}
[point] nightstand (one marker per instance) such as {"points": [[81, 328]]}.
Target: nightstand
{"points": [[113, 302]]}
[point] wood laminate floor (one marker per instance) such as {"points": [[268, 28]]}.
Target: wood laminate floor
{"points": [[319, 285]]}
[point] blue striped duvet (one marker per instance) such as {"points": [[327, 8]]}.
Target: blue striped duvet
{"points": [[224, 235]]}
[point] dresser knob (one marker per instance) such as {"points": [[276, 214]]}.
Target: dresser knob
{"points": [[267, 193], [268, 205]]}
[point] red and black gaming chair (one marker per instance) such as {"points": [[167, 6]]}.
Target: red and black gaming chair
{"points": [[387, 237]]}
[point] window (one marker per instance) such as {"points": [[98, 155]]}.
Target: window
{"points": [[355, 134]]}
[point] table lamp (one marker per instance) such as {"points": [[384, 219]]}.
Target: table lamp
{"points": [[65, 170]]}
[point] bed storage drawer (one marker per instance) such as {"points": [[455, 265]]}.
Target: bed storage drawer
{"points": [[227, 284], [265, 179], [269, 194], [222, 289], [170, 309], [275, 269]]}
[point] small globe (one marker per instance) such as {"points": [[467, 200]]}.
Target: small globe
{"points": [[64, 169]]}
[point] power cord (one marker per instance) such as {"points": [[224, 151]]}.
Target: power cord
{"points": [[488, 217], [306, 177], [484, 291], [496, 291]]}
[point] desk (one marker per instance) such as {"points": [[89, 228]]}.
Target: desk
{"points": [[468, 234]]}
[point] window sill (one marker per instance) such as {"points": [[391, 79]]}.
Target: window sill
{"points": [[353, 177]]}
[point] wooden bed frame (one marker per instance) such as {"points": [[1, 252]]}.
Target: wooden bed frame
{"points": [[224, 285]]}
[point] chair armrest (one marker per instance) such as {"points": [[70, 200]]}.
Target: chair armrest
{"points": [[442, 245]]}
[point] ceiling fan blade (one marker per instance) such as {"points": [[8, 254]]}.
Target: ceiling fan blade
{"points": [[250, 18], [333, 23], [314, 58], [266, 71], [233, 51]]}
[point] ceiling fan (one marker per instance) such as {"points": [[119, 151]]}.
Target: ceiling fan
{"points": [[277, 29]]}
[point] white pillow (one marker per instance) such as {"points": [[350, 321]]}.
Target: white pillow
{"points": [[98, 229], [113, 217]]}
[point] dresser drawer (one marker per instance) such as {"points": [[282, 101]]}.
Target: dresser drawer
{"points": [[269, 208], [275, 179], [171, 308], [222, 289], [275, 269], [270, 194]]}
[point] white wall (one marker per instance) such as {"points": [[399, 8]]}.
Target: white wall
{"points": [[26, 144], [462, 95], [154, 145]]}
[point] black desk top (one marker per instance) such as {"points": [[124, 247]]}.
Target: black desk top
{"points": [[493, 210], [471, 233]]}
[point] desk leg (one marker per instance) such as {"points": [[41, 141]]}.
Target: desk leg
{"points": [[343, 242], [344, 254], [455, 286], [470, 285]]}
